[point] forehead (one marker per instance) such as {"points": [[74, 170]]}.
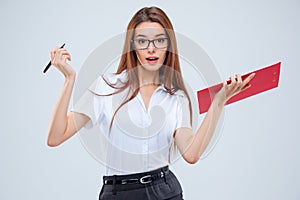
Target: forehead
{"points": [[149, 29]]}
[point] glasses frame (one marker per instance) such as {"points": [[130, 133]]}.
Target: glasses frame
{"points": [[150, 41]]}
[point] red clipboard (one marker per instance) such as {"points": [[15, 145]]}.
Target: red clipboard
{"points": [[265, 79]]}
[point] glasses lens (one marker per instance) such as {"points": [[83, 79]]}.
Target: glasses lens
{"points": [[141, 43], [161, 43]]}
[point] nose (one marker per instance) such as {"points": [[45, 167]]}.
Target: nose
{"points": [[151, 47]]}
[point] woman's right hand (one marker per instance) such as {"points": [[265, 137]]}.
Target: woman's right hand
{"points": [[59, 58]]}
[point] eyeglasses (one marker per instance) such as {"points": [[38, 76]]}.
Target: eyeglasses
{"points": [[159, 43]]}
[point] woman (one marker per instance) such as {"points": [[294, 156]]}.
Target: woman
{"points": [[148, 77]]}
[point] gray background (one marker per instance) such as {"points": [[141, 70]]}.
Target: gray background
{"points": [[257, 156]]}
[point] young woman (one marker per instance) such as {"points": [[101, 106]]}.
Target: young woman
{"points": [[148, 77]]}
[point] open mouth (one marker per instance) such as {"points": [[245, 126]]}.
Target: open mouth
{"points": [[152, 58]]}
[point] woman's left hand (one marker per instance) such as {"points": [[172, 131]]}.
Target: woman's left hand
{"points": [[231, 89]]}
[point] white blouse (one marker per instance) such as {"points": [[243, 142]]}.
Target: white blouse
{"points": [[139, 140]]}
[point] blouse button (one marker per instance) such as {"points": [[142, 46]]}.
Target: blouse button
{"points": [[147, 120], [145, 147]]}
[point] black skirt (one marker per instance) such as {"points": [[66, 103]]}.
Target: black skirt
{"points": [[157, 184]]}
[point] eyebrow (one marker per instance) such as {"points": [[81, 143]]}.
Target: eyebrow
{"points": [[161, 34]]}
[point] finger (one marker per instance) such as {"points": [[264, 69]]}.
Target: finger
{"points": [[233, 80], [60, 57], [63, 52], [224, 83], [248, 79], [59, 54], [68, 56], [223, 90], [251, 76], [61, 49], [239, 78], [231, 85], [246, 87], [52, 53], [56, 48], [64, 57], [238, 84]]}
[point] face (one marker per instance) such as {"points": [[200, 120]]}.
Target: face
{"points": [[151, 56]]}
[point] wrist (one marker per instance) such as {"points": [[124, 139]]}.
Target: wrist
{"points": [[220, 102], [70, 79]]}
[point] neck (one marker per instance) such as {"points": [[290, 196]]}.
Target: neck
{"points": [[148, 77]]}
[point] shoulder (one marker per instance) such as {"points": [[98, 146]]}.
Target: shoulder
{"points": [[115, 79], [180, 93], [178, 98], [107, 83], [181, 98]]}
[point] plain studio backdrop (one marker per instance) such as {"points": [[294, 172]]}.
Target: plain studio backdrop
{"points": [[257, 156]]}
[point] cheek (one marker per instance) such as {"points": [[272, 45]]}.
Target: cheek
{"points": [[163, 55], [139, 56]]}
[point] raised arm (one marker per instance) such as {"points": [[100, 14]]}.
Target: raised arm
{"points": [[62, 124], [192, 145]]}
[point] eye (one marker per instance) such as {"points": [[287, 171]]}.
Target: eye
{"points": [[161, 40], [141, 41]]}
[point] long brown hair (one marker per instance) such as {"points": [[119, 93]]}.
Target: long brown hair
{"points": [[170, 71]]}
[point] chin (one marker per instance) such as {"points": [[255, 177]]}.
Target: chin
{"points": [[152, 68]]}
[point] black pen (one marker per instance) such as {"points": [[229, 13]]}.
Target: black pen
{"points": [[49, 64]]}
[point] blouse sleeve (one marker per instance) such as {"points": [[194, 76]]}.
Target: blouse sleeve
{"points": [[183, 113], [91, 103]]}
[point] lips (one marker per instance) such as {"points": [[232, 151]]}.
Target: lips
{"points": [[152, 60]]}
